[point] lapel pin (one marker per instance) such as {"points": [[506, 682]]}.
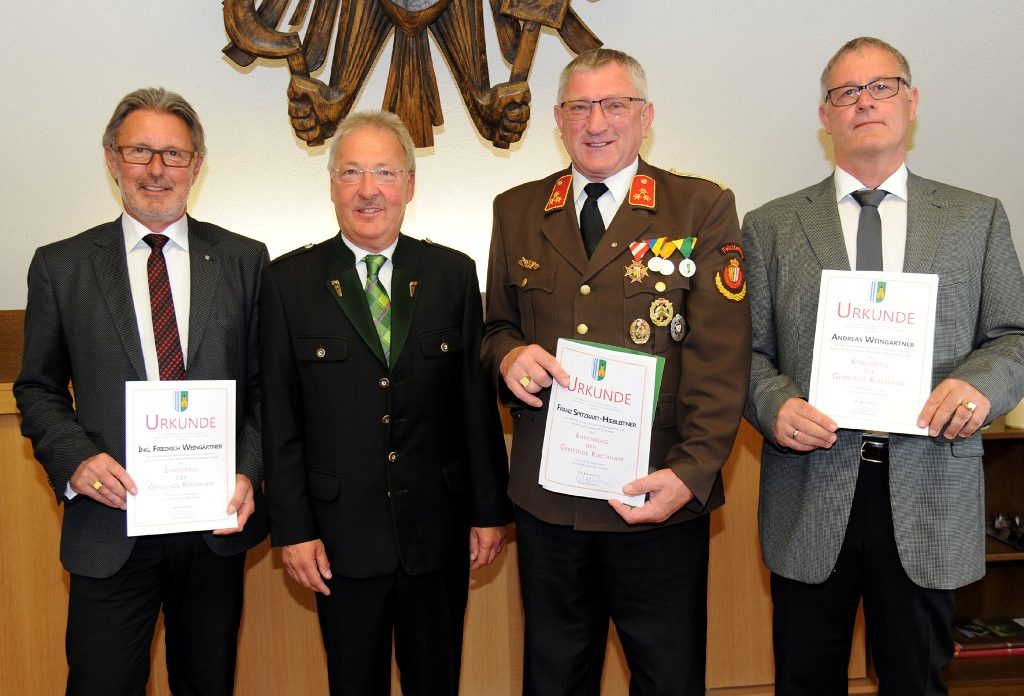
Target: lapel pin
{"points": [[337, 287], [413, 284]]}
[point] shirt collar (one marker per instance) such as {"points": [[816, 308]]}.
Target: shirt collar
{"points": [[360, 253], [134, 231], [618, 183], [846, 183]]}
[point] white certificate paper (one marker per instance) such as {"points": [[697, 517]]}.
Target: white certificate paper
{"points": [[180, 451], [872, 367], [598, 433]]}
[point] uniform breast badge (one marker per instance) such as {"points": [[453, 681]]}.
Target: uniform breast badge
{"points": [[661, 311], [528, 264], [678, 328], [640, 331]]}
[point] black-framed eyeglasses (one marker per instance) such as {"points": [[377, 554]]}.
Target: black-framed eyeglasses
{"points": [[384, 176], [612, 107], [137, 154], [882, 88]]}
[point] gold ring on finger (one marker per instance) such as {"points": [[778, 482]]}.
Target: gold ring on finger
{"points": [[98, 485], [969, 405], [525, 381]]}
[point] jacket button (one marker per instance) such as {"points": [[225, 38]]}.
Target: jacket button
{"points": [[392, 456], [659, 286], [384, 382], [385, 419], [582, 329], [444, 347], [584, 289]]}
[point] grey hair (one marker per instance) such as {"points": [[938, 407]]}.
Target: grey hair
{"points": [[857, 44], [161, 101], [381, 120], [598, 58]]}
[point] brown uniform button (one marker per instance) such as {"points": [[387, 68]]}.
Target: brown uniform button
{"points": [[582, 329], [584, 289], [384, 382], [392, 456]]}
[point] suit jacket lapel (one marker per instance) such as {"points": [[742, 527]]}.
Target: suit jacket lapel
{"points": [[344, 286], [821, 225], [925, 217], [111, 267], [204, 274], [404, 295]]}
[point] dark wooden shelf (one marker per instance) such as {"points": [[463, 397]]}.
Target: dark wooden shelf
{"points": [[998, 552], [986, 675], [999, 593]]}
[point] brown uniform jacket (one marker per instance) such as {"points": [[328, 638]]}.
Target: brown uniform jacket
{"points": [[541, 286]]}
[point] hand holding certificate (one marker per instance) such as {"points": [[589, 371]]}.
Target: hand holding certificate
{"points": [[872, 365], [180, 451], [598, 433]]}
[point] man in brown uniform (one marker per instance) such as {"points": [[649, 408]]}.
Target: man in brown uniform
{"points": [[666, 278]]}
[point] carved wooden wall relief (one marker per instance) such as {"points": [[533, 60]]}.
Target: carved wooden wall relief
{"points": [[361, 27]]}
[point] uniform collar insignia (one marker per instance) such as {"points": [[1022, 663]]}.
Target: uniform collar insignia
{"points": [[641, 192], [559, 193]]}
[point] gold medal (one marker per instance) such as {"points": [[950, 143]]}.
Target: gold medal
{"points": [[661, 311], [636, 272], [640, 331]]}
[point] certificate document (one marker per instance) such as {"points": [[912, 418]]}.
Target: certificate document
{"points": [[180, 451], [872, 367], [598, 433]]}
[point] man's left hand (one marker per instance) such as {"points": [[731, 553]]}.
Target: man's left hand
{"points": [[485, 543], [241, 502], [950, 405], [666, 494]]}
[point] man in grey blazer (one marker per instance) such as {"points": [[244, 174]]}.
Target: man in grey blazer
{"points": [[90, 320], [894, 519]]}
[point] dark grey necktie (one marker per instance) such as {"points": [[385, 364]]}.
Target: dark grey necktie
{"points": [[591, 224], [869, 229]]}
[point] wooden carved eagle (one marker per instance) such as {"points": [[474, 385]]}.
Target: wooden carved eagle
{"points": [[361, 27]]}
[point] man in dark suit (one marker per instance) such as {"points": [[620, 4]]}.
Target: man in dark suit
{"points": [[894, 519], [89, 320], [386, 466], [582, 560]]}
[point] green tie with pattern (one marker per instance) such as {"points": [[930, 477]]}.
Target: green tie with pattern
{"points": [[377, 299]]}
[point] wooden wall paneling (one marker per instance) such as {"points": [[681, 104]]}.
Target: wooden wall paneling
{"points": [[280, 652]]}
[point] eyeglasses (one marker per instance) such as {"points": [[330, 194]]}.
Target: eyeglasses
{"points": [[381, 175], [137, 154], [612, 107], [882, 88]]}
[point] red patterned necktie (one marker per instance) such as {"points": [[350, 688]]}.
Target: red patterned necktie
{"points": [[165, 324]]}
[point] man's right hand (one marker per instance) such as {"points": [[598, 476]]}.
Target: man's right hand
{"points": [[529, 369], [801, 427], [308, 565], [101, 478]]}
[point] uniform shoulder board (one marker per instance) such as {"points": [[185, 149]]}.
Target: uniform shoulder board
{"points": [[695, 175], [294, 252]]}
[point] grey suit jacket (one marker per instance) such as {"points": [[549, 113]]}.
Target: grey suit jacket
{"points": [[80, 326], [936, 487]]}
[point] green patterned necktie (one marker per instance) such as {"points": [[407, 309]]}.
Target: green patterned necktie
{"points": [[377, 299]]}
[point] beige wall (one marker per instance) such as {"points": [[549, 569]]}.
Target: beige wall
{"points": [[734, 84]]}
